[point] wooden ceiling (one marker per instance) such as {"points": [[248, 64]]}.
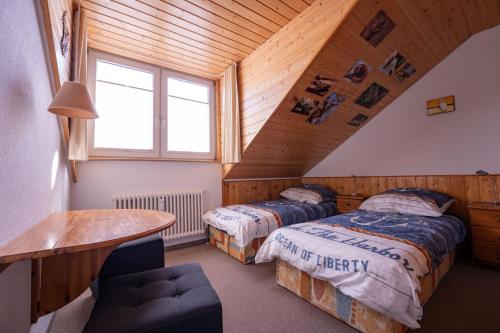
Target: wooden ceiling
{"points": [[279, 143], [200, 37]]}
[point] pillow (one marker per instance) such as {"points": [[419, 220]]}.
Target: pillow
{"points": [[311, 193], [412, 201]]}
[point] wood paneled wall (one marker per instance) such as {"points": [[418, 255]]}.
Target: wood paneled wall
{"points": [[463, 188], [279, 143], [266, 76], [245, 191]]}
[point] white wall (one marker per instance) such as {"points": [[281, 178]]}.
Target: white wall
{"points": [[403, 140], [98, 181], [32, 183]]}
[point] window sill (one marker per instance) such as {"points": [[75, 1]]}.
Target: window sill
{"points": [[154, 159]]}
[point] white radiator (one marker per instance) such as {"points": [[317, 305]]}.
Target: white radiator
{"points": [[187, 206]]}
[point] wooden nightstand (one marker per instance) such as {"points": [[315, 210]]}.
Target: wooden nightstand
{"points": [[348, 202], [485, 226]]}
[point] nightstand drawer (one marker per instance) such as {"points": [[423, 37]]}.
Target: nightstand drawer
{"points": [[485, 253], [486, 218], [483, 236], [347, 205]]}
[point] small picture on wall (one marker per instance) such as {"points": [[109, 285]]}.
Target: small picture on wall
{"points": [[378, 28], [405, 72], [304, 106], [320, 85], [358, 120], [392, 63], [441, 105], [327, 107], [358, 72], [374, 93]]}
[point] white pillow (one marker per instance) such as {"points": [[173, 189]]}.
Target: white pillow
{"points": [[302, 194], [409, 201]]}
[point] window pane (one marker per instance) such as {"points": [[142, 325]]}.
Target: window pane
{"points": [[125, 117], [188, 126], [124, 75], [188, 90]]}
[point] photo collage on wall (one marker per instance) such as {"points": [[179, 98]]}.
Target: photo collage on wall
{"points": [[396, 64], [317, 112], [358, 72]]}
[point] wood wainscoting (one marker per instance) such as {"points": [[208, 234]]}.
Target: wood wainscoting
{"points": [[463, 188], [248, 190]]}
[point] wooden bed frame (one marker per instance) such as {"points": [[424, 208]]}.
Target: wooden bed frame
{"points": [[221, 240], [323, 295]]}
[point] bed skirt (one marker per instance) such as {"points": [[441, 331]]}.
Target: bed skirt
{"points": [[221, 240], [326, 297]]}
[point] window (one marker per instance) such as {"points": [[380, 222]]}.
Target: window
{"points": [[145, 111]]}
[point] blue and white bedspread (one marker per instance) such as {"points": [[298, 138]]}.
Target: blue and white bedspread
{"points": [[375, 258], [259, 219]]}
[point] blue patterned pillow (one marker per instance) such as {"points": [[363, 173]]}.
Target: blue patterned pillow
{"points": [[311, 193], [413, 201]]}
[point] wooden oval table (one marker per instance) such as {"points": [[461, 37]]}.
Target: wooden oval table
{"points": [[67, 250]]}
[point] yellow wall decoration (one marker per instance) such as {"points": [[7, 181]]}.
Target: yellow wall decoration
{"points": [[441, 105]]}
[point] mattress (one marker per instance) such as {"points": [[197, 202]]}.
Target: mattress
{"points": [[378, 259]]}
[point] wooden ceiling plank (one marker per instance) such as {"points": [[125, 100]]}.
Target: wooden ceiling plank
{"points": [[220, 21], [251, 15], [150, 54], [104, 12], [186, 16], [97, 34], [128, 14], [281, 8], [158, 16], [472, 15], [231, 16], [150, 60], [103, 27], [264, 11], [297, 5], [117, 26]]}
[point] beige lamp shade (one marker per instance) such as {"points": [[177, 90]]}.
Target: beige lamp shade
{"points": [[73, 100]]}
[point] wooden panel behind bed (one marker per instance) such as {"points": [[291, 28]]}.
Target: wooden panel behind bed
{"points": [[464, 188]]}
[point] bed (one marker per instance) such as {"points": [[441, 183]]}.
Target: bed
{"points": [[372, 270], [239, 230]]}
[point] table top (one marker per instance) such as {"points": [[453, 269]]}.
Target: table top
{"points": [[81, 230]]}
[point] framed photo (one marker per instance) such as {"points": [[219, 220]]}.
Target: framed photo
{"points": [[392, 63], [441, 105], [374, 93], [358, 72], [304, 106], [320, 85], [378, 28], [405, 72], [358, 119], [327, 107]]}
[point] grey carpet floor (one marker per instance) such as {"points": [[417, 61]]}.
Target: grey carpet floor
{"points": [[468, 299]]}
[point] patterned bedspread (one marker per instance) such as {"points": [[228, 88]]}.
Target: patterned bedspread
{"points": [[375, 258], [259, 219], [437, 235]]}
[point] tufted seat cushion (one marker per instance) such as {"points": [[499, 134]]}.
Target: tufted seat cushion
{"points": [[171, 299]]}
